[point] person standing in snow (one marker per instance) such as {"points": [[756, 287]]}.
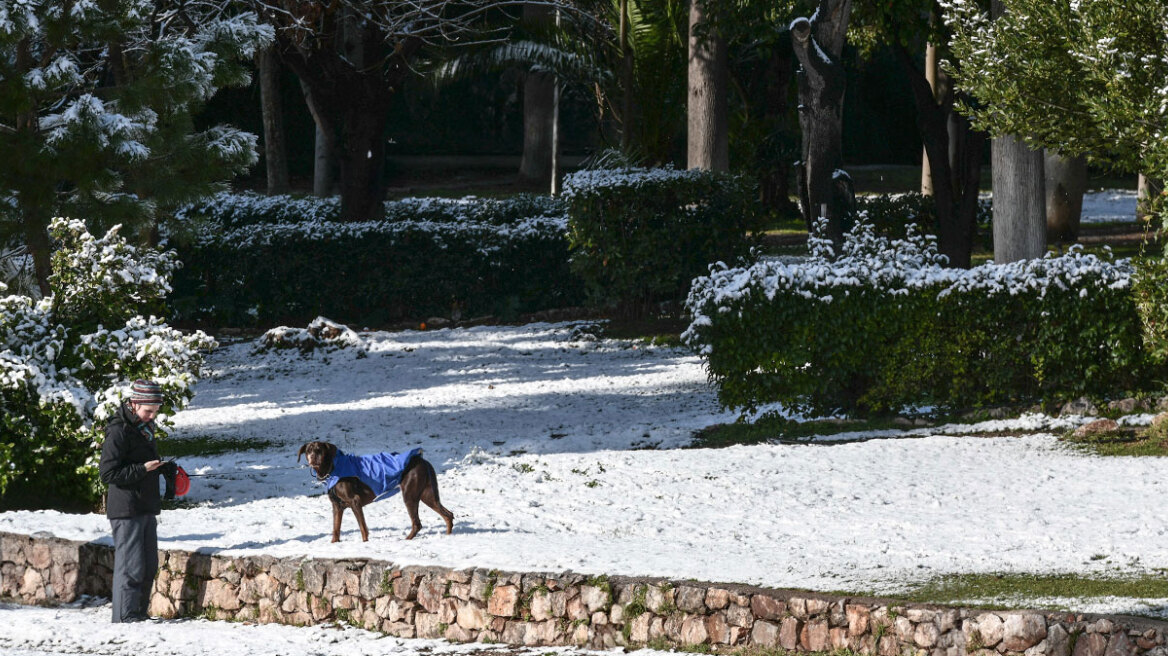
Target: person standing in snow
{"points": [[130, 466]]}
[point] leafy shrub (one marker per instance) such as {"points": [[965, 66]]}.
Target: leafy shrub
{"points": [[254, 259], [67, 360], [641, 235], [885, 326], [892, 214], [1151, 289]]}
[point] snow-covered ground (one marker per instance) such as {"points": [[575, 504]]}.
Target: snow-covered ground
{"points": [[1109, 205], [557, 452]]}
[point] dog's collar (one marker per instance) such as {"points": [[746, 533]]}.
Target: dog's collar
{"points": [[322, 477]]}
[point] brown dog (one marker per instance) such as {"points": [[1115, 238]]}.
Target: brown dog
{"points": [[418, 482]]}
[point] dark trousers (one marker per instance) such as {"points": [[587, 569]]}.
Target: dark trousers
{"points": [[135, 564]]}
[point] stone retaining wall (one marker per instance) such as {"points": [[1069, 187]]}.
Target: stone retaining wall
{"points": [[560, 609]]}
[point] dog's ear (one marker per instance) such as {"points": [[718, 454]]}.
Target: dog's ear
{"points": [[332, 451], [301, 451]]}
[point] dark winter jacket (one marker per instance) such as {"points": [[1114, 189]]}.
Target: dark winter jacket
{"points": [[133, 491]]}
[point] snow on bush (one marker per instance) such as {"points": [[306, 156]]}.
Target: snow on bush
{"points": [[67, 360], [884, 324], [322, 334]]}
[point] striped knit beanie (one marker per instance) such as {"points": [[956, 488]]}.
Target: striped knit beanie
{"points": [[146, 392]]}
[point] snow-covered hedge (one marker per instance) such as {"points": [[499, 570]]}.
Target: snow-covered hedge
{"points": [[885, 325], [641, 235], [256, 259], [67, 360]]}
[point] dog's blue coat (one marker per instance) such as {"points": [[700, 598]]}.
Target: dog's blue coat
{"points": [[382, 472]]}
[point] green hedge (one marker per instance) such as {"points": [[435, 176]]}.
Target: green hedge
{"points": [[884, 327], [640, 236], [249, 260]]}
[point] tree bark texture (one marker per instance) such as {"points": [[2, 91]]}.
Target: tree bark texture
{"points": [[931, 77], [1147, 189], [707, 109], [275, 150], [350, 89], [1065, 182], [1019, 201], [324, 160], [954, 153], [628, 80], [539, 97], [818, 43]]}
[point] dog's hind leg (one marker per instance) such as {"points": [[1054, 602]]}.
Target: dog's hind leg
{"points": [[361, 521], [412, 509], [430, 498]]}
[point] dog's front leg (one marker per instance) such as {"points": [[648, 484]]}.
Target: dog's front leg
{"points": [[338, 510]]}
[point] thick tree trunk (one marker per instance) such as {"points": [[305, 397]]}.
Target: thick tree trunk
{"points": [[628, 106], [818, 44], [954, 157], [1019, 194], [1066, 180], [1147, 189], [539, 97], [1019, 201], [708, 134], [774, 181], [275, 151], [362, 160]]}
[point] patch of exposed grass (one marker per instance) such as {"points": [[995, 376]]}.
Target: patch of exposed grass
{"points": [[209, 446], [771, 427], [1123, 442], [980, 587]]}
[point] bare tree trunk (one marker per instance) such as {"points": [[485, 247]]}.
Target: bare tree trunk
{"points": [[627, 80], [708, 135], [931, 77], [774, 180], [818, 43], [1066, 180], [1019, 194], [539, 91], [1019, 201], [275, 151], [324, 149], [1147, 189], [954, 154]]}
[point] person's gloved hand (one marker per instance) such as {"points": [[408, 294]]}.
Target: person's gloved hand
{"points": [[169, 469]]}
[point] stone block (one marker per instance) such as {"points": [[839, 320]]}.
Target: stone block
{"points": [[658, 598], [693, 631], [431, 590], [504, 601], [717, 629], [858, 619], [472, 616], [815, 635], [1021, 631], [717, 598], [594, 598], [789, 630], [690, 599], [427, 625], [765, 634]]}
